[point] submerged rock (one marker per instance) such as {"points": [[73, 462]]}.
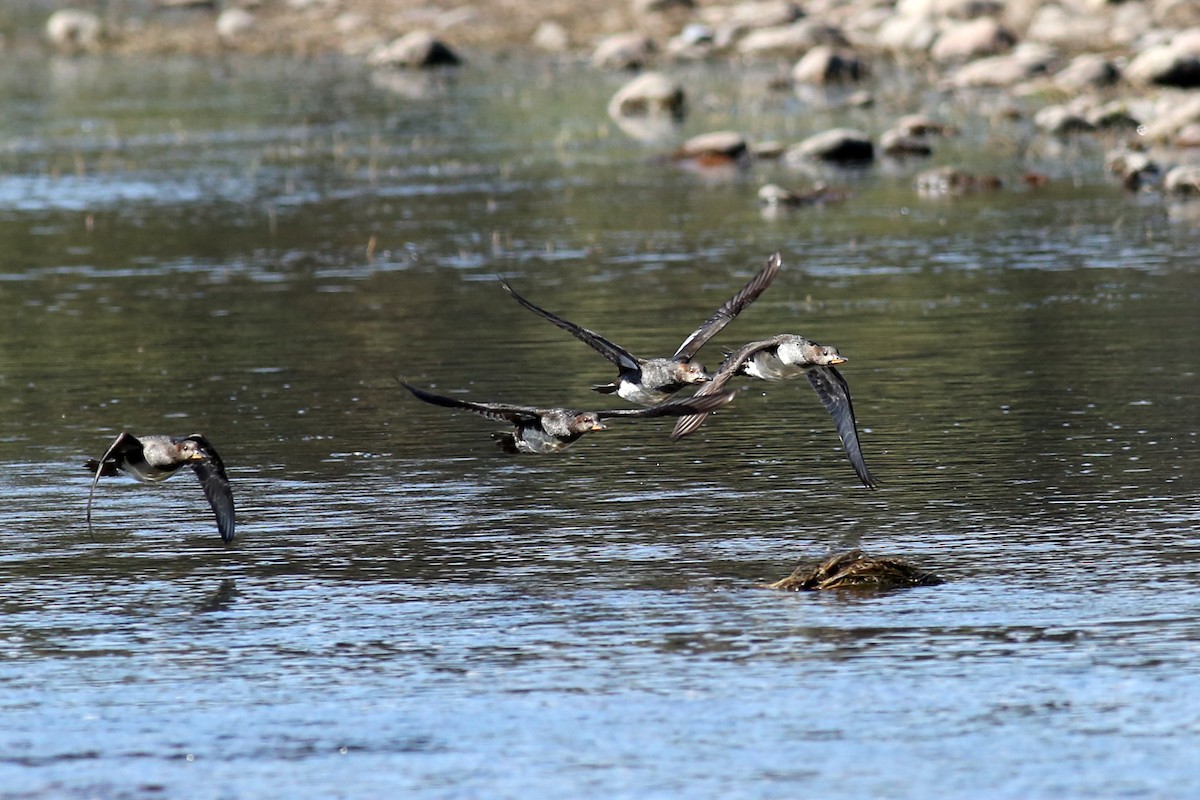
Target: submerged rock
{"points": [[856, 570], [922, 125], [775, 196], [954, 181]]}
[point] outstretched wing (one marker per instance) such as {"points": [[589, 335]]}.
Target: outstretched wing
{"points": [[117, 452], [731, 366], [624, 359], [496, 411], [674, 408], [211, 473], [730, 309], [835, 395]]}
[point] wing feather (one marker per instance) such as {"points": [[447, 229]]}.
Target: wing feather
{"points": [[117, 452], [835, 396], [216, 489], [624, 359], [499, 412], [730, 309]]}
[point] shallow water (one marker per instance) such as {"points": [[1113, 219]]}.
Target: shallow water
{"points": [[256, 251]]}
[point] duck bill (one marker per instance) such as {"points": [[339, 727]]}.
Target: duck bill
{"points": [[598, 426]]}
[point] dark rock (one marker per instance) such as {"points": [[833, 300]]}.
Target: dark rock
{"points": [[824, 64], [839, 145], [1165, 65], [418, 50], [1135, 169], [1061, 120]]}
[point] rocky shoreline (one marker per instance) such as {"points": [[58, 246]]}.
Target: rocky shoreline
{"points": [[1126, 68]]}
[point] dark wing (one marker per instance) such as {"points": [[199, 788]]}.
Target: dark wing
{"points": [[216, 486], [497, 411], [731, 308], [730, 367], [118, 452], [835, 394], [674, 408], [624, 359]]}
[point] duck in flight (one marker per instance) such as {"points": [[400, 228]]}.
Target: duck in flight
{"points": [[788, 356], [651, 381], [548, 430], [151, 459]]}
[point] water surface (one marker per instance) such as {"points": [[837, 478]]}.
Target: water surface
{"points": [[256, 250]]}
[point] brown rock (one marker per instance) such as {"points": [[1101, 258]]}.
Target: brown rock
{"points": [[856, 570]]}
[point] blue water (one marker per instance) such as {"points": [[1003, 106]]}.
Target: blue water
{"points": [[408, 612]]}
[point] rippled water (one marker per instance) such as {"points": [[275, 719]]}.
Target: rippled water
{"points": [[256, 251]]}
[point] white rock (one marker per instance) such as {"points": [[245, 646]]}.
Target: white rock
{"points": [[1164, 65], [630, 50], [790, 40], [234, 22], [649, 94], [824, 64], [552, 37], [967, 40], [72, 29], [417, 49], [1183, 180]]}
